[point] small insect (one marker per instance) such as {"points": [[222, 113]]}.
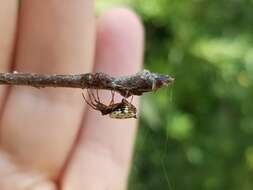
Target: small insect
{"points": [[122, 110]]}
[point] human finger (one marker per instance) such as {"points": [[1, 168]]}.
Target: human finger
{"points": [[38, 127], [8, 20], [103, 152]]}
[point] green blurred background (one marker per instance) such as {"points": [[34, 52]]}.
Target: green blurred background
{"points": [[198, 133]]}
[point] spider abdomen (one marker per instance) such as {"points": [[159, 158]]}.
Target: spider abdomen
{"points": [[123, 112]]}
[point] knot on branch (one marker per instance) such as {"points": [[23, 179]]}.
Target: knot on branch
{"points": [[144, 81]]}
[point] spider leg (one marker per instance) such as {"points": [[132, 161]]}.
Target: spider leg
{"points": [[94, 97], [112, 100], [91, 100], [97, 95], [132, 97], [87, 102], [126, 95]]}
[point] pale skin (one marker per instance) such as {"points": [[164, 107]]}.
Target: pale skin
{"points": [[49, 138]]}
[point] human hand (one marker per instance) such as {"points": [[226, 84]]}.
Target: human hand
{"points": [[49, 139]]}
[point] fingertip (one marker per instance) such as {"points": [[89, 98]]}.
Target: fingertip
{"points": [[119, 47], [126, 16]]}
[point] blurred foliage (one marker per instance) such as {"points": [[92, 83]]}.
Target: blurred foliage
{"points": [[198, 133]]}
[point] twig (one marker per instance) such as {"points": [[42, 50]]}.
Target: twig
{"points": [[137, 84]]}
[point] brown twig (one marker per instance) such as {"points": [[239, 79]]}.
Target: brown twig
{"points": [[137, 84]]}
